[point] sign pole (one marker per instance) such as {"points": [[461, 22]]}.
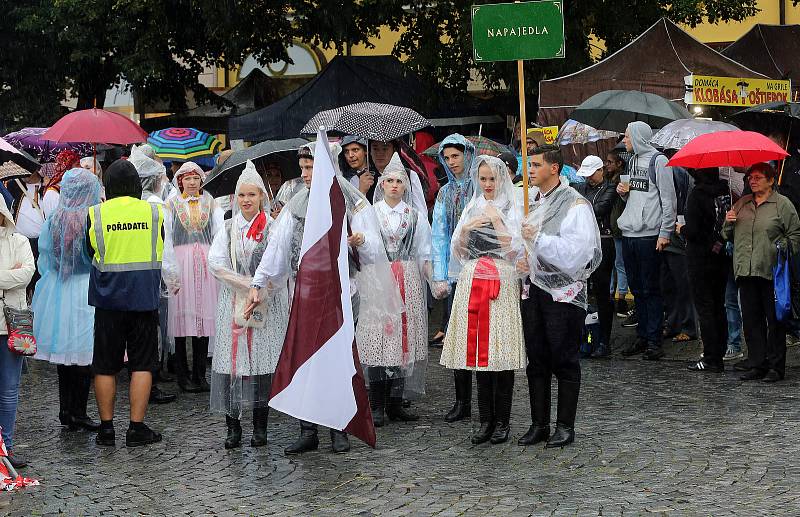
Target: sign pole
{"points": [[523, 136]]}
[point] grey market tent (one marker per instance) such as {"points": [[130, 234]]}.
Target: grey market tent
{"points": [[772, 50], [655, 62]]}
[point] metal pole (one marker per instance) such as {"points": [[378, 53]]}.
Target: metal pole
{"points": [[523, 134]]}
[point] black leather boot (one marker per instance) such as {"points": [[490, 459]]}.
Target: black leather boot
{"points": [[260, 419], [308, 440], [567, 408], [81, 384], [64, 392], [485, 406], [503, 395], [182, 367], [394, 406], [463, 406], [234, 438], [199, 356], [158, 396], [377, 400], [539, 431], [339, 441]]}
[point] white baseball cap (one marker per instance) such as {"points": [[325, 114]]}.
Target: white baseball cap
{"points": [[589, 166]]}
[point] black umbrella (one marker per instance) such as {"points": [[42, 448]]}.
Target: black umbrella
{"points": [[613, 110], [772, 117], [9, 153], [222, 178], [370, 120]]}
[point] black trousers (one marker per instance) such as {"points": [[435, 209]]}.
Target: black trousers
{"points": [[677, 293], [553, 333], [765, 335], [599, 284], [709, 278]]}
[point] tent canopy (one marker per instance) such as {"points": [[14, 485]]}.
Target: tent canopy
{"points": [[253, 92], [655, 62], [772, 50]]}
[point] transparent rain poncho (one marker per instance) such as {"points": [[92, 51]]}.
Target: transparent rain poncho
{"points": [[244, 357], [192, 222], [152, 174], [562, 242], [398, 352], [64, 322]]}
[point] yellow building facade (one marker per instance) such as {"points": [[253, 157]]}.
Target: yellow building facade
{"points": [[769, 14]]}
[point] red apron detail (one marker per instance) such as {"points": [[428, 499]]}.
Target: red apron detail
{"points": [[399, 276], [485, 288]]}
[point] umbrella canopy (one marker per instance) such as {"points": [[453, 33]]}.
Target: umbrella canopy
{"points": [[96, 125], [780, 109], [370, 120], [483, 145], [679, 133], [613, 110], [574, 132], [222, 178], [9, 153], [727, 149], [183, 143], [31, 139]]}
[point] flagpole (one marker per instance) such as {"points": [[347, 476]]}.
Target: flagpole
{"points": [[523, 134]]}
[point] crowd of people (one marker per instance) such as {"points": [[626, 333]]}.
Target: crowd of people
{"points": [[135, 266]]}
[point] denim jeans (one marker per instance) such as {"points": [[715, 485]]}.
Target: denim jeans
{"points": [[620, 279], [734, 314], [10, 371], [643, 266]]}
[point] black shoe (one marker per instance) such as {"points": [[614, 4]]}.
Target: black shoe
{"points": [[622, 308], [500, 434], [637, 347], [308, 441], [742, 366], [753, 374], [561, 437], [142, 436], [83, 422], [772, 376], [601, 352], [632, 320], [459, 411], [17, 462], [202, 385], [234, 438], [377, 418], [105, 437], [339, 442], [437, 340], [187, 386], [159, 397], [703, 366], [396, 411], [484, 433], [653, 354], [260, 421], [535, 434]]}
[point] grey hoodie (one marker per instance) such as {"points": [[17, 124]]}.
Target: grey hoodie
{"points": [[650, 209]]}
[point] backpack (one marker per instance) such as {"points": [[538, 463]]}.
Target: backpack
{"points": [[680, 180]]}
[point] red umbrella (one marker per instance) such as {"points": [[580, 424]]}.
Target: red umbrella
{"points": [[727, 149], [96, 125]]}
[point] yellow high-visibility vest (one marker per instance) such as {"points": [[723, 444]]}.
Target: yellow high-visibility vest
{"points": [[125, 234]]}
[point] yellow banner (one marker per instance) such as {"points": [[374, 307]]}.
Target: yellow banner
{"points": [[735, 91], [550, 133]]}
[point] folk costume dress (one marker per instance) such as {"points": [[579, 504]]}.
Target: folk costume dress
{"points": [[245, 357], [485, 330], [192, 223], [395, 355], [64, 322]]}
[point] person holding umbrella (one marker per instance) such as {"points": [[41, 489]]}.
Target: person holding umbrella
{"points": [[758, 222]]}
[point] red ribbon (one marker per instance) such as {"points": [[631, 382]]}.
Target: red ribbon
{"points": [[485, 287], [257, 228], [399, 275]]}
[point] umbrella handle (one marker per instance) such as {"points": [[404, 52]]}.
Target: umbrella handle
{"points": [[7, 464]]}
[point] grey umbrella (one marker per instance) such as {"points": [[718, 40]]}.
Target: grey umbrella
{"points": [[680, 132], [613, 110], [222, 178], [370, 120]]}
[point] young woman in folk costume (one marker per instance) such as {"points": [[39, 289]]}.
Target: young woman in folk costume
{"points": [[485, 329], [246, 351], [395, 355], [192, 221]]}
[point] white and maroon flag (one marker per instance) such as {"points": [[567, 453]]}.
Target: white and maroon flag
{"points": [[318, 377]]}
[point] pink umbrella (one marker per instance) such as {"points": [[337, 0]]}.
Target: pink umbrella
{"points": [[727, 149], [96, 125]]}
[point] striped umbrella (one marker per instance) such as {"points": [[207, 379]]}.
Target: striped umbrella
{"points": [[183, 143]]}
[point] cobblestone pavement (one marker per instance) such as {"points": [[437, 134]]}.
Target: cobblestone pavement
{"points": [[651, 438]]}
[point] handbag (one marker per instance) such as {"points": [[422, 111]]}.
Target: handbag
{"points": [[257, 318], [20, 328], [783, 284]]}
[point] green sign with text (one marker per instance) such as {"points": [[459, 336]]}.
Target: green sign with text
{"points": [[526, 30]]}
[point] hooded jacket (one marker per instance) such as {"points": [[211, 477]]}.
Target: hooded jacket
{"points": [[701, 215], [14, 249], [651, 207], [450, 202]]}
